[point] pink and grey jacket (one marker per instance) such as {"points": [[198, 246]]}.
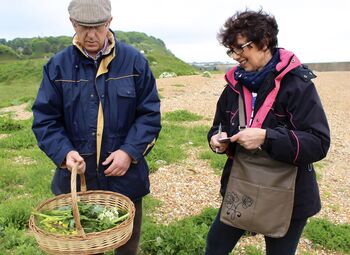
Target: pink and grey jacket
{"points": [[290, 110]]}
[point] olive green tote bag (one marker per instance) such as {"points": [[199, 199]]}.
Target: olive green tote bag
{"points": [[260, 191]]}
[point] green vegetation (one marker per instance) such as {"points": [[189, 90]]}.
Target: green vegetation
{"points": [[252, 250], [173, 142], [7, 53], [160, 58], [183, 237], [178, 85], [181, 115], [328, 235], [7, 124], [93, 218], [19, 81], [217, 161]]}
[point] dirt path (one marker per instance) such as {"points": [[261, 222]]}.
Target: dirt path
{"points": [[18, 112]]}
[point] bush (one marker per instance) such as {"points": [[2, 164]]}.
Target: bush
{"points": [[7, 53], [167, 75], [206, 74]]}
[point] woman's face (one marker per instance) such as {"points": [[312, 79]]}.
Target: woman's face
{"points": [[251, 58]]}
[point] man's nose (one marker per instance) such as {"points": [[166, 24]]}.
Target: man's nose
{"points": [[91, 32]]}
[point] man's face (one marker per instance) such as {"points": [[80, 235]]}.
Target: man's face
{"points": [[92, 38]]}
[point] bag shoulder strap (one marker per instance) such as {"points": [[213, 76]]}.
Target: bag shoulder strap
{"points": [[241, 113]]}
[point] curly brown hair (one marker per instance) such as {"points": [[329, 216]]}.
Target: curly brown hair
{"points": [[256, 26]]}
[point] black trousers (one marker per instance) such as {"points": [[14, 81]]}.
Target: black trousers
{"points": [[223, 238]]}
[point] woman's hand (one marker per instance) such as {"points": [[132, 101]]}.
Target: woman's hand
{"points": [[215, 143], [250, 138]]}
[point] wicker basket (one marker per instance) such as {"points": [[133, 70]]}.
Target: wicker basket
{"points": [[90, 243]]}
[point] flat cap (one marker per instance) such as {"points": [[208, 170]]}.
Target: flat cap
{"points": [[90, 12]]}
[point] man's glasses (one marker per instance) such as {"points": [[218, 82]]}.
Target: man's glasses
{"points": [[238, 51], [84, 29]]}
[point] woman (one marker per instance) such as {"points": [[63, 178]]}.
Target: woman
{"points": [[294, 130]]}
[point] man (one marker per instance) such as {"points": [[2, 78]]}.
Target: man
{"points": [[98, 108]]}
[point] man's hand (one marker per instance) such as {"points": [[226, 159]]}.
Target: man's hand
{"points": [[74, 158], [120, 163], [216, 145], [250, 138]]}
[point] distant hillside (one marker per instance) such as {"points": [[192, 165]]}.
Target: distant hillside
{"points": [[159, 57]]}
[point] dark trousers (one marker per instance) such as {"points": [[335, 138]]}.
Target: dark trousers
{"points": [[223, 238], [132, 246]]}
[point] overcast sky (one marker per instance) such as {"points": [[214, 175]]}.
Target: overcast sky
{"points": [[316, 30]]}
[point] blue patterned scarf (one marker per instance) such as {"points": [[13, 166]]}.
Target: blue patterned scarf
{"points": [[253, 80]]}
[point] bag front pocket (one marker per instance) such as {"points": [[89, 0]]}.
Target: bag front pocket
{"points": [[273, 212], [257, 208]]}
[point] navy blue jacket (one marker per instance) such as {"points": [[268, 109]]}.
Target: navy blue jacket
{"points": [[66, 115], [297, 131]]}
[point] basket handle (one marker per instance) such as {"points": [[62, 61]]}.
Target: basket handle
{"points": [[73, 185]]}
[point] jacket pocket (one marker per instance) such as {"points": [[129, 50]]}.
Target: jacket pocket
{"points": [[122, 104]]}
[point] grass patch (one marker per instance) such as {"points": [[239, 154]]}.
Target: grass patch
{"points": [[21, 136], [328, 235], [20, 79], [173, 142], [252, 250], [14, 241], [319, 167], [7, 124], [178, 85], [181, 115], [16, 212], [187, 236]]}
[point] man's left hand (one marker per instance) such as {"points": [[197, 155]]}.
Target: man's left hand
{"points": [[119, 163]]}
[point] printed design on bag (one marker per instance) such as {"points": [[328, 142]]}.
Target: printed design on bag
{"points": [[233, 202]]}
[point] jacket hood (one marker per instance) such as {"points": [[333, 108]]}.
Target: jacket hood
{"points": [[288, 61]]}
